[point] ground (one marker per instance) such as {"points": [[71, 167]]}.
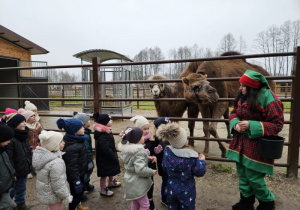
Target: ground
{"points": [[217, 190]]}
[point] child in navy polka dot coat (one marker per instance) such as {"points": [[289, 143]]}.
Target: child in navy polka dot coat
{"points": [[181, 163]]}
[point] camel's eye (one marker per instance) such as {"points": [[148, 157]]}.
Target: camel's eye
{"points": [[151, 86], [161, 85], [210, 91]]}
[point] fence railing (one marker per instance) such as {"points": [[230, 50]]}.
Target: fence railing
{"points": [[294, 122]]}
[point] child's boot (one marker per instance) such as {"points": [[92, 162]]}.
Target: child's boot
{"points": [[88, 187], [266, 205], [83, 198], [80, 207], [21, 207], [245, 203], [152, 206]]}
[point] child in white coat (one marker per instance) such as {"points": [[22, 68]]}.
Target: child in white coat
{"points": [[51, 182]]}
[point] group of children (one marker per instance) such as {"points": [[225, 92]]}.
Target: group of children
{"points": [[57, 159]]}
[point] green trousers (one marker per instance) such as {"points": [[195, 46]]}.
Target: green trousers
{"points": [[253, 183]]}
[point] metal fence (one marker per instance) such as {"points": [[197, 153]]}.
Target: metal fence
{"points": [[294, 122]]}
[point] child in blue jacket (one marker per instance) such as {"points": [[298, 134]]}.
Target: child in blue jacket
{"points": [[182, 163]]}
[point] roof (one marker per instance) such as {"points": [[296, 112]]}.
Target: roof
{"points": [[104, 55], [20, 41]]}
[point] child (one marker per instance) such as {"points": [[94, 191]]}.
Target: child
{"points": [[20, 155], [106, 154], [149, 144], [75, 158], [85, 119], [35, 129], [181, 163], [159, 153], [51, 182], [6, 169], [8, 111], [32, 107], [137, 176]]}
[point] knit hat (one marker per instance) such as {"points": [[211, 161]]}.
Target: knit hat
{"points": [[30, 106], [27, 114], [101, 118], [81, 116], [9, 111], [50, 140], [71, 126], [132, 135], [161, 120], [6, 133], [173, 133], [254, 79], [21, 110], [139, 121], [13, 120]]}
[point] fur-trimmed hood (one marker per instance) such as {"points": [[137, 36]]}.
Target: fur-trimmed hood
{"points": [[130, 148], [101, 128]]}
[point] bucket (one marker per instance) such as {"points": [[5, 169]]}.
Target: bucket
{"points": [[271, 146]]}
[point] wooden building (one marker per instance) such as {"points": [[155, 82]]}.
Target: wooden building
{"points": [[15, 50]]}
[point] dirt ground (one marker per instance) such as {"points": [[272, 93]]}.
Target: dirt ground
{"points": [[217, 190]]}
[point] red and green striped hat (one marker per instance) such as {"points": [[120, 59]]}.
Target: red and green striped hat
{"points": [[254, 79]]}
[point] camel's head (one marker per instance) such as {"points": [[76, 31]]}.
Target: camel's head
{"points": [[157, 89], [198, 90]]}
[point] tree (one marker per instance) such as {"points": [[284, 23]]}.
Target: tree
{"points": [[228, 43]]}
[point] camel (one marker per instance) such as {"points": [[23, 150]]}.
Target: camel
{"points": [[225, 89], [174, 108]]}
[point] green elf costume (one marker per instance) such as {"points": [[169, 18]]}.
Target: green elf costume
{"points": [[251, 167]]}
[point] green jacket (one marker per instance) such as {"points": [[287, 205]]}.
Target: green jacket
{"points": [[137, 179]]}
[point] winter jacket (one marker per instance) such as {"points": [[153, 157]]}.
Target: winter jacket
{"points": [[107, 160], [6, 173], [268, 120], [88, 144], [33, 135], [51, 179], [160, 155], [19, 152], [137, 177], [149, 145], [75, 157], [181, 166]]}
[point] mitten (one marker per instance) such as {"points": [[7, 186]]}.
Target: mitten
{"points": [[158, 149], [147, 151], [78, 185]]}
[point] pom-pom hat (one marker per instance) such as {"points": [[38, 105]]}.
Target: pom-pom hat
{"points": [[6, 133], [253, 79], [160, 121], [13, 120], [139, 121], [10, 111], [102, 119], [173, 133], [30, 106], [81, 116], [71, 126], [50, 140], [27, 114], [132, 135]]}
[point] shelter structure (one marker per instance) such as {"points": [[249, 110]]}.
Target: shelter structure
{"points": [[16, 51], [115, 73]]}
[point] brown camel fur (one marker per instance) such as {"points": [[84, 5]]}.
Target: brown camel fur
{"points": [[174, 108], [225, 89]]}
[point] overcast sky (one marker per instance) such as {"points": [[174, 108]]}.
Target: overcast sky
{"points": [[66, 27]]}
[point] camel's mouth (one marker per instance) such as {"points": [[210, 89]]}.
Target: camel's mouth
{"points": [[155, 95]]}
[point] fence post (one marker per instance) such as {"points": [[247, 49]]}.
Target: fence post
{"points": [[294, 132], [63, 95], [137, 96], [96, 87]]}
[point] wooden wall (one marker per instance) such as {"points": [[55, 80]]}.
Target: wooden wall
{"points": [[10, 50]]}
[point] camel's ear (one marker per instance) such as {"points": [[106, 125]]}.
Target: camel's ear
{"points": [[185, 80], [202, 74]]}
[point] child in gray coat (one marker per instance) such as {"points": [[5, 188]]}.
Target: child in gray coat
{"points": [[137, 178]]}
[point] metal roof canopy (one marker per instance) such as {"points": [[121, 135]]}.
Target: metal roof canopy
{"points": [[20, 41], [104, 55]]}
